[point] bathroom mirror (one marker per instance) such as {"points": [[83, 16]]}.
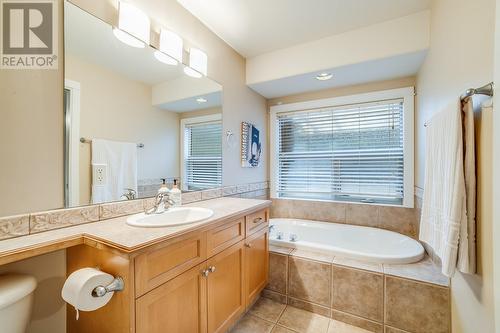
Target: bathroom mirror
{"points": [[132, 121]]}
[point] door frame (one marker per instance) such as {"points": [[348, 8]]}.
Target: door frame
{"points": [[72, 150]]}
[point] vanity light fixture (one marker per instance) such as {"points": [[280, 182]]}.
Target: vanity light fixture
{"points": [[324, 76], [133, 26], [170, 51], [201, 100], [198, 63]]}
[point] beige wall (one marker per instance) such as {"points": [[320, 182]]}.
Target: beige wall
{"points": [[461, 56], [31, 138], [225, 66], [117, 108]]}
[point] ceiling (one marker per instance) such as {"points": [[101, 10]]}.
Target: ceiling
{"points": [[369, 71], [190, 104], [254, 27]]}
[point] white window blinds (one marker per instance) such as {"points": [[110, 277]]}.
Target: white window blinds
{"points": [[347, 153], [203, 155]]}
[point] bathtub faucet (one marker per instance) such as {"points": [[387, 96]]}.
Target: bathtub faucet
{"points": [[271, 228], [293, 237]]}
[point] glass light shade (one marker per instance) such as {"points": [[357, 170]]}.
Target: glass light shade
{"points": [[171, 44], [134, 22], [191, 72], [198, 63], [162, 57]]}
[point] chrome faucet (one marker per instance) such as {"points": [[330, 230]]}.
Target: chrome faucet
{"points": [[130, 194], [162, 204]]}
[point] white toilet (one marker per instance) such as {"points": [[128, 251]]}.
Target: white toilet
{"points": [[16, 302]]}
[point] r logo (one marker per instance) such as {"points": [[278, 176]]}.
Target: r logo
{"points": [[29, 34], [27, 28]]}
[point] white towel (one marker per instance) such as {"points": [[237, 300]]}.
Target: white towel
{"points": [[444, 221], [119, 160]]}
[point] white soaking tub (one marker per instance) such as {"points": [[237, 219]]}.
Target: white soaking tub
{"points": [[348, 241]]}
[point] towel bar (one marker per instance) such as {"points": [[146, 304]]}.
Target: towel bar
{"points": [[85, 140]]}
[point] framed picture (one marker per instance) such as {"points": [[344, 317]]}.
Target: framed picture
{"points": [[251, 147]]}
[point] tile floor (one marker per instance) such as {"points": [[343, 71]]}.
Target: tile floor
{"points": [[268, 316]]}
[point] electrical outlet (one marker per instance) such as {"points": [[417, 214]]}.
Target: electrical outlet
{"points": [[99, 174]]}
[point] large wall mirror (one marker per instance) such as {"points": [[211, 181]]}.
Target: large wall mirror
{"points": [[132, 121]]}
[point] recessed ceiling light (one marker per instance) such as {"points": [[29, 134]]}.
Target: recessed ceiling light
{"points": [[324, 76], [201, 100]]}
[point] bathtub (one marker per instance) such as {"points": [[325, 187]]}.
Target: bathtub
{"points": [[348, 241]]}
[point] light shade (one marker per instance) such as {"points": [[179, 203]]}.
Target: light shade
{"points": [[171, 44], [166, 59], [133, 26], [198, 63]]}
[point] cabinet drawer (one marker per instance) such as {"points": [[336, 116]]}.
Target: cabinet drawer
{"points": [[224, 236], [255, 221], [162, 264]]}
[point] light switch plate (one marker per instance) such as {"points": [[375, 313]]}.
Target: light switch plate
{"points": [[99, 174]]}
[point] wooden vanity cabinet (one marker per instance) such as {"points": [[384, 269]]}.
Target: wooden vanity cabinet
{"points": [[200, 282]]}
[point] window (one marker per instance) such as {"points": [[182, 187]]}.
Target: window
{"points": [[202, 147], [357, 148]]}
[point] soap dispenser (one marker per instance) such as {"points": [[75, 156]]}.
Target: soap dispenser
{"points": [[163, 189], [176, 194]]}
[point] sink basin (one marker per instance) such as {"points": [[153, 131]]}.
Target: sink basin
{"points": [[172, 217]]}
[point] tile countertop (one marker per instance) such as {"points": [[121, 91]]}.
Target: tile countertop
{"points": [[118, 234]]}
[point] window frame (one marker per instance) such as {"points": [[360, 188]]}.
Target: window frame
{"points": [[408, 96], [189, 121]]}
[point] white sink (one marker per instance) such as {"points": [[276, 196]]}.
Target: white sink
{"points": [[172, 217]]}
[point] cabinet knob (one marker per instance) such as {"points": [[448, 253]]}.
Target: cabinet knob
{"points": [[211, 269], [257, 220], [205, 272], [248, 245]]}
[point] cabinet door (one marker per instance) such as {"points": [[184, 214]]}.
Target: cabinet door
{"points": [[178, 306], [256, 264], [225, 288]]}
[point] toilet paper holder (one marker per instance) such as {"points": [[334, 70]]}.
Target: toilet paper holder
{"points": [[116, 285]]}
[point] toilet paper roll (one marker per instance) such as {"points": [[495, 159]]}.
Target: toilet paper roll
{"points": [[77, 289]]}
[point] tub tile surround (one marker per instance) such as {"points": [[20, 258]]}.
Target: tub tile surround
{"points": [[399, 219], [25, 224], [309, 280], [358, 292], [417, 307], [394, 298]]}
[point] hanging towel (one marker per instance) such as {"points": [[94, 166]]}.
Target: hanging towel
{"points": [[467, 243], [444, 221], [118, 160]]}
